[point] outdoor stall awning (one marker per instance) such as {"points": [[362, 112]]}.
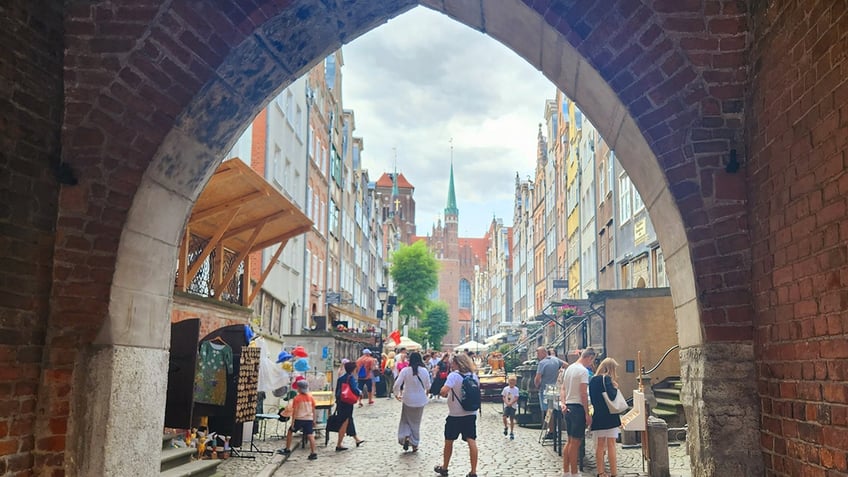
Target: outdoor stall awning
{"points": [[246, 211], [237, 213]]}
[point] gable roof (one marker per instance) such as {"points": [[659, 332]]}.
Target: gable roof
{"points": [[385, 180]]}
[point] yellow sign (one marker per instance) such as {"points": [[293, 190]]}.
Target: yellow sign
{"points": [[640, 231]]}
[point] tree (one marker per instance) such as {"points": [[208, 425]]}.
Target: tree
{"points": [[415, 272], [436, 323]]}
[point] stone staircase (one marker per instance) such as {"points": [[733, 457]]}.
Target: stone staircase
{"points": [[669, 408], [178, 461]]}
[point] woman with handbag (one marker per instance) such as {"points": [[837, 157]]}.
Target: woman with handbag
{"points": [[605, 423], [440, 375], [411, 389], [347, 394]]}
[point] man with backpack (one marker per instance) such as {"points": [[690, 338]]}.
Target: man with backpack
{"points": [[365, 366], [462, 389]]}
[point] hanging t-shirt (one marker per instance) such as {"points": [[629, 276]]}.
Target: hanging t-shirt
{"points": [[214, 363]]}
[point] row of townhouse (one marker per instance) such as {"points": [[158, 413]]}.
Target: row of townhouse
{"points": [[303, 144], [579, 225]]}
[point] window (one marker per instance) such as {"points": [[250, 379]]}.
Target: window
{"points": [[464, 294], [661, 280], [624, 194], [638, 205], [276, 165]]}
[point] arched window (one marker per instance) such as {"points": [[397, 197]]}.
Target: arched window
{"points": [[464, 294]]}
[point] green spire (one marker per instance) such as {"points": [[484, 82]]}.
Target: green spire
{"points": [[451, 209]]}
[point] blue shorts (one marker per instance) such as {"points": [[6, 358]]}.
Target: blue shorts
{"points": [[304, 425], [543, 403], [365, 385]]}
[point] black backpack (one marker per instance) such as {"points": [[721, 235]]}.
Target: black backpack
{"points": [[470, 399]]}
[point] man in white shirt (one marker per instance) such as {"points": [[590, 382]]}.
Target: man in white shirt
{"points": [[574, 399]]}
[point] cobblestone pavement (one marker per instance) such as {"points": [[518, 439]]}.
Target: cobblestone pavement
{"points": [[381, 455]]}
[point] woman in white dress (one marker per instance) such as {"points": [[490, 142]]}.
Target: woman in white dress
{"points": [[411, 388]]}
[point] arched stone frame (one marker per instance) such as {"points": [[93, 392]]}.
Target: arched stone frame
{"points": [[135, 331]]}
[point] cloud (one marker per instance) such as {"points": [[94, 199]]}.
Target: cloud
{"points": [[422, 79]]}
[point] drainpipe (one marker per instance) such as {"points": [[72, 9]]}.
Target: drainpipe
{"points": [[306, 286]]}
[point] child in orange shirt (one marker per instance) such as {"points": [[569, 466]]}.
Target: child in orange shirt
{"points": [[304, 415]]}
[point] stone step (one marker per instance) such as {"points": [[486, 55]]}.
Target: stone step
{"points": [[175, 457], [663, 413], [197, 468], [663, 402], [667, 392]]}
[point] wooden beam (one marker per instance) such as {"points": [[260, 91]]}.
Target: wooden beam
{"points": [[218, 268], [245, 282], [213, 242], [182, 271], [228, 205], [250, 225], [286, 237], [266, 272], [234, 267], [225, 174]]}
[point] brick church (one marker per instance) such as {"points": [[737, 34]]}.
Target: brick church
{"points": [[457, 257]]}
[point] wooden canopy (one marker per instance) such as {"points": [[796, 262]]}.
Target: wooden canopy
{"points": [[239, 212]]}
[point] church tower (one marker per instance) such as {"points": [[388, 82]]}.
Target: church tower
{"points": [[451, 220]]}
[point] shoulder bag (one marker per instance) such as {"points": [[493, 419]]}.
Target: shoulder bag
{"points": [[347, 394], [617, 405]]}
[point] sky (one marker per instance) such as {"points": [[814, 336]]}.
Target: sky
{"points": [[422, 79]]}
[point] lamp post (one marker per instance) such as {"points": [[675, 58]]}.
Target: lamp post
{"points": [[382, 296]]}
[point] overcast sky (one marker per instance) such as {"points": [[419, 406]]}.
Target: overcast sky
{"points": [[422, 79]]}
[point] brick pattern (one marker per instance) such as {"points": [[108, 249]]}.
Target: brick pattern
{"points": [[30, 120], [679, 66], [798, 187]]}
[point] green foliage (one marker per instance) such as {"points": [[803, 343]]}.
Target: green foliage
{"points": [[511, 361], [419, 335], [415, 272], [436, 323]]}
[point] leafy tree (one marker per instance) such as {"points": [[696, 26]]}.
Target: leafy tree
{"points": [[418, 335], [436, 323], [415, 272]]}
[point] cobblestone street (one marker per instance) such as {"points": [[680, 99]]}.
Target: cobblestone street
{"points": [[377, 424]]}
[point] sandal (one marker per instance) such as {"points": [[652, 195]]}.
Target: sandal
{"points": [[406, 444], [359, 443], [441, 471], [339, 449], [470, 475]]}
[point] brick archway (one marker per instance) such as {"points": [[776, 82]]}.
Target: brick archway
{"points": [[156, 95]]}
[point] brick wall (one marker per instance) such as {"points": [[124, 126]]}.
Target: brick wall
{"points": [[30, 118], [798, 140]]}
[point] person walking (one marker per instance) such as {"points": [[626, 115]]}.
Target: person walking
{"points": [[440, 375], [459, 421], [390, 373], [365, 366], [510, 395], [411, 388], [574, 398], [344, 409], [303, 414], [605, 425]]}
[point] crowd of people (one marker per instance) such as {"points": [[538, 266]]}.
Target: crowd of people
{"points": [[416, 378]]}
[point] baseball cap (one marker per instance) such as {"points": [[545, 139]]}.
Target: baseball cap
{"points": [[366, 351]]}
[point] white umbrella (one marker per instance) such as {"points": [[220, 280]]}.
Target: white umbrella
{"points": [[471, 346], [405, 342]]}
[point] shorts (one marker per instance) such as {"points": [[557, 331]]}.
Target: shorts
{"points": [[543, 403], [606, 433], [365, 385], [465, 425], [509, 411], [575, 421], [303, 425]]}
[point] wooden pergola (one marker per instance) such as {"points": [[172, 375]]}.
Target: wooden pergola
{"points": [[237, 213]]}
